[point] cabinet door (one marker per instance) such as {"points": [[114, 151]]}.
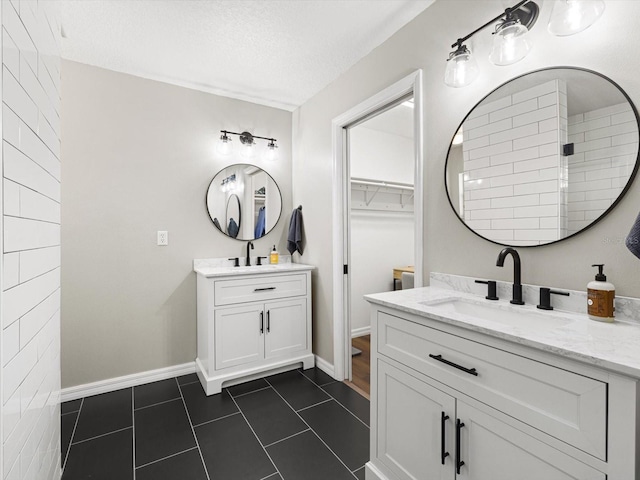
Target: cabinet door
{"points": [[286, 327], [492, 449], [410, 427], [238, 335]]}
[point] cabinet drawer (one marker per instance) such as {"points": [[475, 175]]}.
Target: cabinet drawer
{"points": [[563, 404], [261, 288]]}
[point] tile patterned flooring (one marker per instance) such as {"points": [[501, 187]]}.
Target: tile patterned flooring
{"points": [[297, 425]]}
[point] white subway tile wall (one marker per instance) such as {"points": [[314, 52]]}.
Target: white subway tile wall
{"points": [[513, 171], [606, 147], [31, 240]]}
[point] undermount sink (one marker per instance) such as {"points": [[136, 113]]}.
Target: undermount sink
{"points": [[497, 313]]}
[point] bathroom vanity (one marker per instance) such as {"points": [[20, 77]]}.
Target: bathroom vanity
{"points": [[252, 321], [462, 387]]}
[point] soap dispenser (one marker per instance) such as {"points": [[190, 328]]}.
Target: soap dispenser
{"points": [[274, 257], [600, 295]]}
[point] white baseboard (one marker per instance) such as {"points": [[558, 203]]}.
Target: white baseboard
{"points": [[360, 332], [111, 384], [371, 472], [326, 367]]}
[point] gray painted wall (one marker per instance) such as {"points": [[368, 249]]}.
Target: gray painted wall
{"points": [[450, 247], [138, 157]]}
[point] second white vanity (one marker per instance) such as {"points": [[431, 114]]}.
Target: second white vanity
{"points": [[252, 321], [465, 388]]}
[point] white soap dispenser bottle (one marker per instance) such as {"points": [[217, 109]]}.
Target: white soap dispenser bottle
{"points": [[600, 296]]}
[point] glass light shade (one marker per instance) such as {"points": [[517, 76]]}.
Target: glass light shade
{"points": [[462, 68], [223, 146], [573, 16], [272, 153], [511, 43], [247, 150]]}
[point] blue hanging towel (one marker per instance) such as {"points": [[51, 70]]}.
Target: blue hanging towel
{"points": [[260, 224], [233, 228], [633, 240], [294, 238]]}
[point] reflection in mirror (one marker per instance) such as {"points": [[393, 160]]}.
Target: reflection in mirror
{"points": [[244, 202], [543, 157]]}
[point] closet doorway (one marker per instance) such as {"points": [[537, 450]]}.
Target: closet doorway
{"points": [[381, 223], [378, 225]]}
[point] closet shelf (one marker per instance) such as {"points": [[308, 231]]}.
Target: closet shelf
{"points": [[379, 195]]}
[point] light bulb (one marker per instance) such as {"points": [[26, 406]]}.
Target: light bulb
{"points": [[458, 138], [569, 17], [511, 43], [462, 68]]}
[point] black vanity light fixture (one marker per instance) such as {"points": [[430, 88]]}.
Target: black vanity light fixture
{"points": [[511, 41], [247, 141]]}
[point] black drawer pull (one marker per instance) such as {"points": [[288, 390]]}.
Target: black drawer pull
{"points": [[443, 454], [261, 322], [263, 289], [268, 321], [459, 463], [470, 371]]}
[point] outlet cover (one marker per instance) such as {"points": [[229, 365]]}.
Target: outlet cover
{"points": [[163, 237]]}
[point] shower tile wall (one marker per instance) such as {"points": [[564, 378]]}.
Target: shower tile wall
{"points": [[512, 166], [606, 148], [31, 240]]}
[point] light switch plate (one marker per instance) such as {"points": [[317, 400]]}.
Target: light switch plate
{"points": [[163, 237]]}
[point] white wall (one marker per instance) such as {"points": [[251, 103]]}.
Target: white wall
{"points": [[381, 155], [31, 253], [139, 156], [380, 240], [450, 247]]}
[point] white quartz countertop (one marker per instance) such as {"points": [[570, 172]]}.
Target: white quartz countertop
{"points": [[227, 271], [612, 346]]}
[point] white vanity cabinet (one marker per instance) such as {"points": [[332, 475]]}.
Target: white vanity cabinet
{"points": [[450, 403], [252, 324]]}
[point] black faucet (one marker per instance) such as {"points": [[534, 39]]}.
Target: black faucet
{"points": [[248, 261], [517, 284]]}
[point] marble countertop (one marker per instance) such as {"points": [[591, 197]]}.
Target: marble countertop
{"points": [[227, 271], [612, 346]]}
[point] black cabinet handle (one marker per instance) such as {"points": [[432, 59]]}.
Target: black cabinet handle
{"points": [[459, 463], [268, 321], [443, 454], [261, 322], [470, 371], [263, 289]]}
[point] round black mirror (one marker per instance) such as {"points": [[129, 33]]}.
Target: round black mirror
{"points": [[543, 157], [244, 202]]}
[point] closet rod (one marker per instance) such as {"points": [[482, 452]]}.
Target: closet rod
{"points": [[379, 183]]}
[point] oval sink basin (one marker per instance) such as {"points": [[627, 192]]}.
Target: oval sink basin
{"points": [[497, 313]]}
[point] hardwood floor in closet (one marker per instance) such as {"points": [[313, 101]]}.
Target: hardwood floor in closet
{"points": [[361, 365]]}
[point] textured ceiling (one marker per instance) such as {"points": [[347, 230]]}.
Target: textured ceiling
{"points": [[274, 52]]}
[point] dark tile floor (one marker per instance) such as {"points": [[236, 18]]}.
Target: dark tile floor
{"points": [[297, 425]]}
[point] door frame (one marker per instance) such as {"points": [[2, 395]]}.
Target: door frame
{"points": [[411, 84]]}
